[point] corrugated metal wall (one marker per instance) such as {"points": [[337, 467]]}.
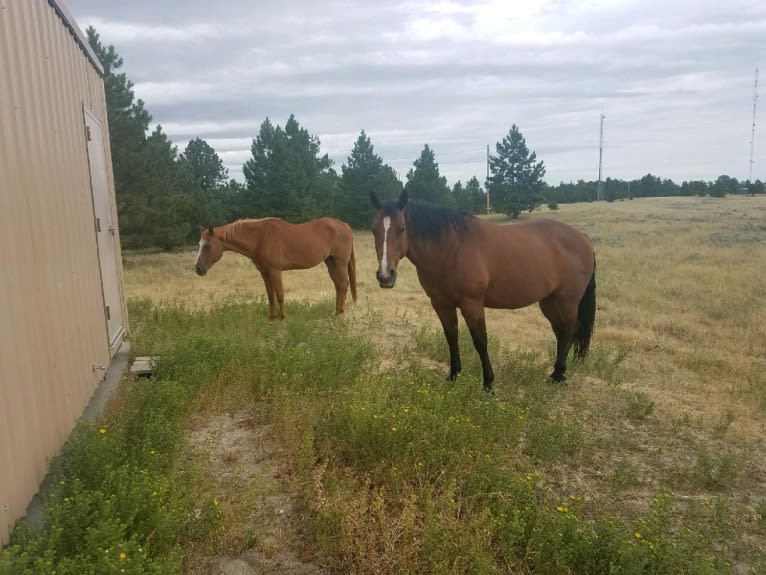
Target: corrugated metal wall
{"points": [[52, 322]]}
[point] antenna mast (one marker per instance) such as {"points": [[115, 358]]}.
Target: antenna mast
{"points": [[487, 178], [600, 188], [752, 133]]}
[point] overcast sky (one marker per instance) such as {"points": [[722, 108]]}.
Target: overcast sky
{"points": [[673, 78]]}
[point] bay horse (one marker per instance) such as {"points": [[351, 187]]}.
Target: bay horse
{"points": [[275, 245], [466, 263]]}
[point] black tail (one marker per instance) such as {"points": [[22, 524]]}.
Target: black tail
{"points": [[586, 317]]}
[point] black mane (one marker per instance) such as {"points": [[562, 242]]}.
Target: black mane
{"points": [[429, 221]]}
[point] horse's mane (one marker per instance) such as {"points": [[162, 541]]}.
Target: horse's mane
{"points": [[434, 222], [226, 231]]}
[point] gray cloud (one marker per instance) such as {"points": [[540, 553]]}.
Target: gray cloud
{"points": [[674, 79]]}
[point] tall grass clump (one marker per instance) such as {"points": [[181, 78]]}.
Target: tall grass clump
{"points": [[408, 467]]}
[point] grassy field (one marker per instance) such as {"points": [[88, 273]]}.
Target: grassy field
{"points": [[680, 294], [324, 445], [673, 396]]}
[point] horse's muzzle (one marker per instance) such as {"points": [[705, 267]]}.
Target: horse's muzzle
{"points": [[387, 282], [200, 271]]}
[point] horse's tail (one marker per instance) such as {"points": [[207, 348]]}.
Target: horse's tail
{"points": [[352, 272], [586, 317]]}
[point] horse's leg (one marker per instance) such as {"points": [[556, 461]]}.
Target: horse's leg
{"points": [[448, 317], [473, 314], [562, 314], [339, 275], [276, 280], [269, 294]]}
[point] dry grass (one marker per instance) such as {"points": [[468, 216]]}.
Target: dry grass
{"points": [[681, 297]]}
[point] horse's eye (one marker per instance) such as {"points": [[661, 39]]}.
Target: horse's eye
{"points": [[402, 229]]}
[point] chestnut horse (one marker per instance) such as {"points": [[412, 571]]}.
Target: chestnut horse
{"points": [[275, 245], [469, 264]]}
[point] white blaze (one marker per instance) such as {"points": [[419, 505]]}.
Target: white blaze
{"points": [[199, 252], [384, 257]]}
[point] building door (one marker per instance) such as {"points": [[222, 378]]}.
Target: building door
{"points": [[106, 230]]}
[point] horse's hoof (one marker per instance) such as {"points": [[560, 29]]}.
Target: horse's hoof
{"points": [[557, 377]]}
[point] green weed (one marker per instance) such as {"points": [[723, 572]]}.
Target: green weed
{"points": [[711, 471], [638, 406], [521, 369], [603, 361], [757, 383], [115, 504], [625, 474]]}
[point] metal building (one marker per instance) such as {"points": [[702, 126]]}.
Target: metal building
{"points": [[62, 303]]}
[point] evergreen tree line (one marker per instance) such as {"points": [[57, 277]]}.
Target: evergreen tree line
{"points": [[163, 195]]}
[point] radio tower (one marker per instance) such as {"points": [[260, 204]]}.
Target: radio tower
{"points": [[600, 187], [752, 133]]}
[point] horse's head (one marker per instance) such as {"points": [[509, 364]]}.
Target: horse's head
{"points": [[210, 250], [390, 231]]}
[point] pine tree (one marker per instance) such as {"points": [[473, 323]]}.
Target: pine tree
{"points": [[457, 198], [128, 120], [365, 172], [477, 195], [424, 183], [286, 177], [157, 211], [205, 164], [154, 191], [515, 184]]}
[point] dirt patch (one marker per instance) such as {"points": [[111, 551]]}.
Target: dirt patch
{"points": [[241, 462]]}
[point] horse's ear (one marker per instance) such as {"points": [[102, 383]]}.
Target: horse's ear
{"points": [[210, 229], [374, 200], [402, 200]]}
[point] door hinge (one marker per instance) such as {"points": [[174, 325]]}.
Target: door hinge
{"points": [[87, 133], [108, 313], [98, 224]]}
